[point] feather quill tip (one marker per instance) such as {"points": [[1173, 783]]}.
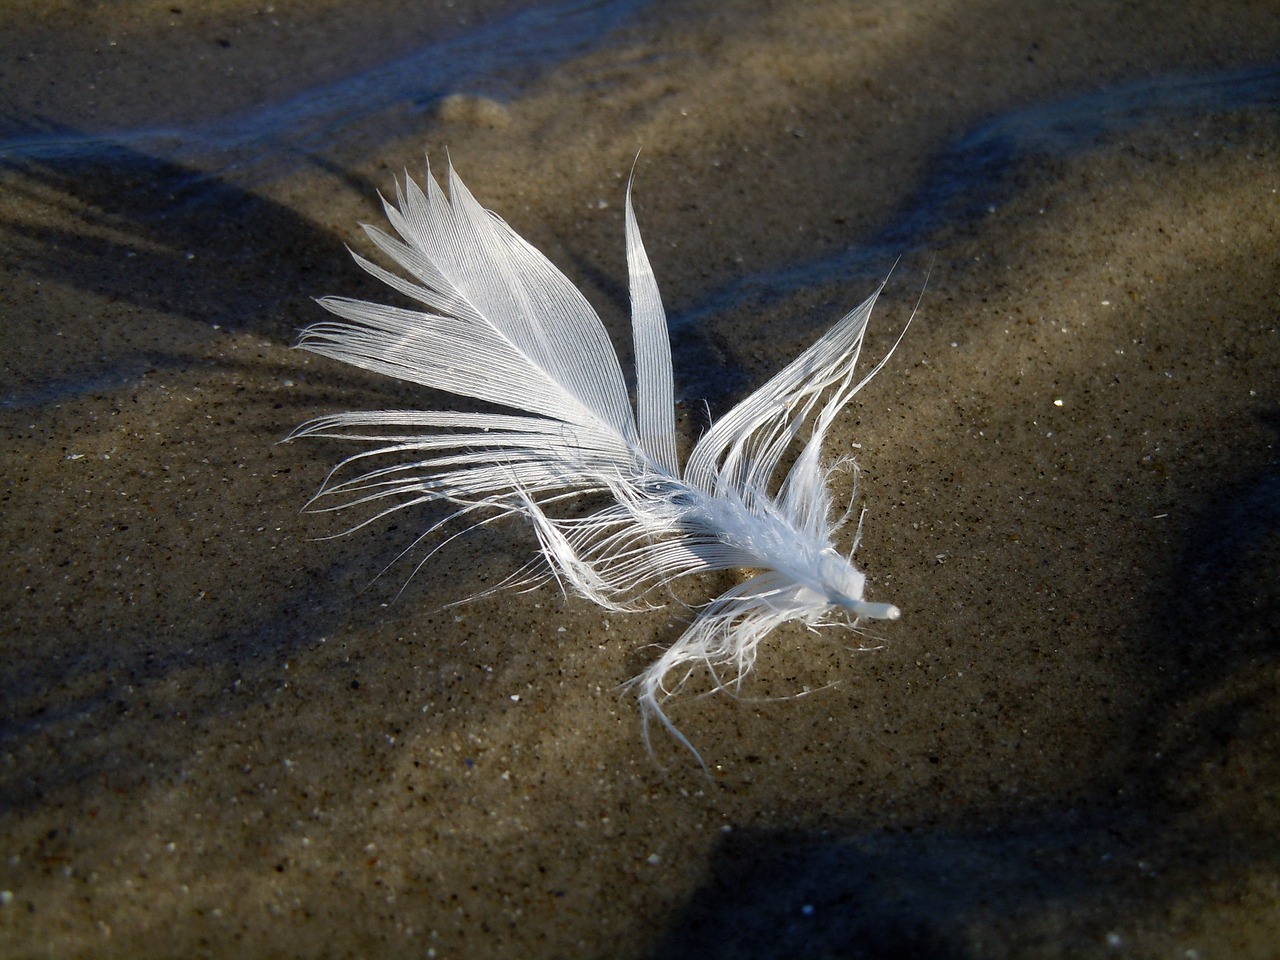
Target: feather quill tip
{"points": [[876, 611], [493, 320]]}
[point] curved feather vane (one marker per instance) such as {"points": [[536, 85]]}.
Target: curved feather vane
{"points": [[502, 325]]}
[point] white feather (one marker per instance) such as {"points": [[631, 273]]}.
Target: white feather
{"points": [[502, 325]]}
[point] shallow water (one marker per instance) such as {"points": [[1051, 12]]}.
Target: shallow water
{"points": [[214, 726]]}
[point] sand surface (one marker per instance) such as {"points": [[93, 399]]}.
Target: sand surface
{"points": [[221, 736]]}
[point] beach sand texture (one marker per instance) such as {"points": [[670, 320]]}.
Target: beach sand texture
{"points": [[223, 736]]}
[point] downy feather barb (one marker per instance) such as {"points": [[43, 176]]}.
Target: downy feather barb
{"points": [[500, 324]]}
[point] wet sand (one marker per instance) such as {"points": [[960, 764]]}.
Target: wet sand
{"points": [[222, 736]]}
